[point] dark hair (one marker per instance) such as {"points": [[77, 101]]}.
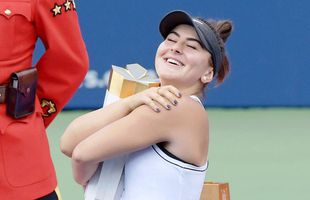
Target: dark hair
{"points": [[223, 29]]}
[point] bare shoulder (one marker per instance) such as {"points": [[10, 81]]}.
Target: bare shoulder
{"points": [[190, 103], [183, 127], [188, 113], [192, 112]]}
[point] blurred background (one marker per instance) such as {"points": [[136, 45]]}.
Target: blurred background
{"points": [[260, 117], [268, 49]]}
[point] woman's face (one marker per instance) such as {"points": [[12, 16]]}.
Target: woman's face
{"points": [[181, 60]]}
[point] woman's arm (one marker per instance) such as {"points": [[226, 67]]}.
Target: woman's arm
{"points": [[138, 130], [86, 125]]}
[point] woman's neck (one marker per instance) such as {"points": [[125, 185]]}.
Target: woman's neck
{"points": [[187, 92], [196, 90]]}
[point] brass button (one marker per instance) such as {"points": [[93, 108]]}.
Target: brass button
{"points": [[7, 11]]}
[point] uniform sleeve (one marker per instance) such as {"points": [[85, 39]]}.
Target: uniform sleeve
{"points": [[63, 66]]}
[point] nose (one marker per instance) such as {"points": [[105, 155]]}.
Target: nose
{"points": [[176, 48]]}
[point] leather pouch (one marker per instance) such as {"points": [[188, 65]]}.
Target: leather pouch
{"points": [[21, 95]]}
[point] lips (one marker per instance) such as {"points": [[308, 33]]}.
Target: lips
{"points": [[174, 61]]}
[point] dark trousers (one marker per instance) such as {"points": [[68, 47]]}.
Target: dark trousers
{"points": [[51, 196]]}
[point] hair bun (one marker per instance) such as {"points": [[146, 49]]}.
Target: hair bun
{"points": [[224, 28]]}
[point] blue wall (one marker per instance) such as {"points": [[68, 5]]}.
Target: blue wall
{"points": [[269, 48]]}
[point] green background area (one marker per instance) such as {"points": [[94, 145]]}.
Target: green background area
{"points": [[261, 153]]}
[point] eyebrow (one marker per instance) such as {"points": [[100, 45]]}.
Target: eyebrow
{"points": [[189, 38]]}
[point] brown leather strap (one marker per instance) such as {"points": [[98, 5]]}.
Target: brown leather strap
{"points": [[3, 89]]}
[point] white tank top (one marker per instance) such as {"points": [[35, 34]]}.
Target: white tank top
{"points": [[151, 174]]}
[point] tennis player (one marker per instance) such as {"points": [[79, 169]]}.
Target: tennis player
{"points": [[168, 150]]}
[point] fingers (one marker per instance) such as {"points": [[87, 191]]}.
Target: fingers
{"points": [[152, 104], [160, 100], [170, 93], [159, 97]]}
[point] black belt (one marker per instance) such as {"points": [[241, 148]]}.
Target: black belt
{"points": [[3, 90]]}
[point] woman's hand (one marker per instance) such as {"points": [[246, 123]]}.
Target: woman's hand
{"points": [[164, 96]]}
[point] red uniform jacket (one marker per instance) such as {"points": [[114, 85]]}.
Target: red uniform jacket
{"points": [[26, 169]]}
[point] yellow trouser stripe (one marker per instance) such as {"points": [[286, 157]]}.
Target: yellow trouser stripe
{"points": [[58, 193]]}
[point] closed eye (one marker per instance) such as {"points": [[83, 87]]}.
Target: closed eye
{"points": [[194, 43], [171, 40], [192, 47]]}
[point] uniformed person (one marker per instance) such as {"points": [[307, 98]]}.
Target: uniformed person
{"points": [[26, 169]]}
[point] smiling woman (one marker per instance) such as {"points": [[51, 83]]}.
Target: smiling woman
{"points": [[167, 147], [181, 58]]}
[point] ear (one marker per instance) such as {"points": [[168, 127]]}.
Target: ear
{"points": [[207, 76]]}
